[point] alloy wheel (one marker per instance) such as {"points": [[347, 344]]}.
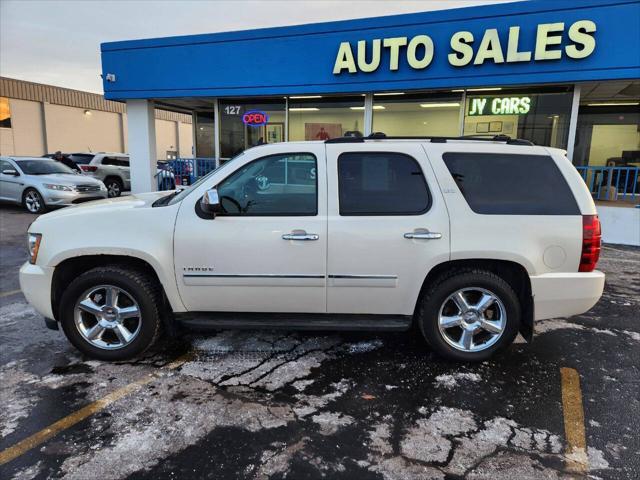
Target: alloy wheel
{"points": [[472, 319], [33, 201], [113, 189], [107, 317]]}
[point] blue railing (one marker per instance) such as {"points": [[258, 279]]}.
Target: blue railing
{"points": [[612, 183], [182, 171]]}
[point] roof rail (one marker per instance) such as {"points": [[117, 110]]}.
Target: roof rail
{"points": [[382, 136]]}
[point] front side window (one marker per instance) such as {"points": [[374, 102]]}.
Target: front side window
{"points": [[277, 185], [380, 183], [4, 165], [507, 184]]}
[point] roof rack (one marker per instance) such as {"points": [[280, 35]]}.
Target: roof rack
{"points": [[382, 136]]}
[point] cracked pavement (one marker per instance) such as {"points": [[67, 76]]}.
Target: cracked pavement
{"points": [[275, 405]]}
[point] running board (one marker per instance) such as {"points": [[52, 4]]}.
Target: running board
{"points": [[292, 321]]}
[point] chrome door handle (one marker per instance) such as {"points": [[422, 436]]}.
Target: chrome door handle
{"points": [[423, 235], [304, 236]]}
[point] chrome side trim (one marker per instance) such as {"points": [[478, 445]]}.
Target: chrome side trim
{"points": [[368, 277], [252, 275]]}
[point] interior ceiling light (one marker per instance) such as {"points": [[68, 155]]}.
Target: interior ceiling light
{"points": [[613, 104], [305, 96], [388, 94], [440, 105], [489, 89], [304, 109], [375, 107]]}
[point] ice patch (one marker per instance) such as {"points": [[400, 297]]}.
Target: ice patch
{"points": [[364, 346], [451, 380]]}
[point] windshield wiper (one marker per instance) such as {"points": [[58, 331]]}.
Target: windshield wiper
{"points": [[161, 202]]}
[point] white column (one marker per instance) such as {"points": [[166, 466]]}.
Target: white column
{"points": [[368, 114], [142, 145], [573, 122], [216, 131]]}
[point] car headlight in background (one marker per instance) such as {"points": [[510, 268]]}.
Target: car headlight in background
{"points": [[34, 245], [60, 188]]}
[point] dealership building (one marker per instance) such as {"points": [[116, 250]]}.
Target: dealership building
{"points": [[564, 74]]}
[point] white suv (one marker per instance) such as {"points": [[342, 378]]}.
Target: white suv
{"points": [[469, 239]]}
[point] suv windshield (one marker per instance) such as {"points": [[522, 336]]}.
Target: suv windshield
{"points": [[42, 167]]}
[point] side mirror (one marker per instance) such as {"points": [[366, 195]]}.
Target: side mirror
{"points": [[11, 171], [210, 202]]}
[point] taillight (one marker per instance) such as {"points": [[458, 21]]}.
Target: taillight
{"points": [[591, 238], [88, 168]]}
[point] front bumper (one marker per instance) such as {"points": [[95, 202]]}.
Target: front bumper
{"points": [[35, 283], [56, 198], [565, 294]]}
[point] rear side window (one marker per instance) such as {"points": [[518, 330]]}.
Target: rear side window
{"points": [[505, 184], [381, 183], [110, 161], [81, 159]]}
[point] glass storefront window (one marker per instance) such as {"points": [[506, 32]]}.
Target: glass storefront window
{"points": [[320, 118], [5, 113], [608, 125], [421, 114], [540, 115], [237, 132], [205, 135]]}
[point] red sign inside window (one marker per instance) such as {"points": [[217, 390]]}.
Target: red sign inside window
{"points": [[255, 118]]}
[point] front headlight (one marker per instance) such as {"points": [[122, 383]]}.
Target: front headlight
{"points": [[34, 245], [60, 188]]}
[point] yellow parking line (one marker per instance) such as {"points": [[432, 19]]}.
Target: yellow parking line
{"points": [[6, 294], [576, 454], [45, 434]]}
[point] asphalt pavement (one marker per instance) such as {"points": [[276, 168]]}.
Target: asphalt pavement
{"points": [[275, 405]]}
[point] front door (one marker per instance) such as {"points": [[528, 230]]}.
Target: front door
{"points": [[267, 251], [10, 185], [388, 226]]}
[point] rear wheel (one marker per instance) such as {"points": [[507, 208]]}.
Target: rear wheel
{"points": [[468, 315], [33, 201], [114, 186], [111, 313]]}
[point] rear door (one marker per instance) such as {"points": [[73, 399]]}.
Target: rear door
{"points": [[388, 226]]}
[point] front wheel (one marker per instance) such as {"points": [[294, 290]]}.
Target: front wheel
{"points": [[33, 201], [469, 315], [111, 313], [114, 187]]}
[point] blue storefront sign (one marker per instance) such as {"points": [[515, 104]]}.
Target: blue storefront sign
{"points": [[533, 42]]}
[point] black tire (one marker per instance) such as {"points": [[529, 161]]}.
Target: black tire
{"points": [[143, 289], [33, 202], [114, 186], [449, 283]]}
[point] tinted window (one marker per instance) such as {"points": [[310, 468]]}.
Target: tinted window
{"points": [[381, 184], [275, 185], [80, 158], [123, 161], [110, 161], [503, 184]]}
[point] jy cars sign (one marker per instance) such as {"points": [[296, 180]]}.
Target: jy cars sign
{"points": [[465, 48], [499, 106]]}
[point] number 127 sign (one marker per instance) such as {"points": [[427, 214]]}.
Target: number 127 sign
{"points": [[255, 118]]}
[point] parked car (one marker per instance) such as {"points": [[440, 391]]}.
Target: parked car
{"points": [[470, 240], [39, 183], [113, 169]]}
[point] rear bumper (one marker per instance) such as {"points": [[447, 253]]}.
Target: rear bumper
{"points": [[35, 283], [565, 294]]}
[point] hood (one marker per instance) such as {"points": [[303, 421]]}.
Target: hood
{"points": [[67, 179], [141, 200]]}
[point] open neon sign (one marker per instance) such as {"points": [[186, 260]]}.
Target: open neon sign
{"points": [[255, 118]]}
